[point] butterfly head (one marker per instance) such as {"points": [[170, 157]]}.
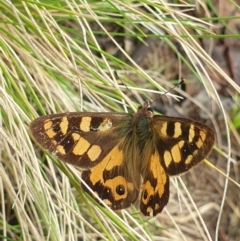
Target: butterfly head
{"points": [[146, 109]]}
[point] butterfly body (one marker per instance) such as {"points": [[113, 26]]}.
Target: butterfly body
{"points": [[123, 154]]}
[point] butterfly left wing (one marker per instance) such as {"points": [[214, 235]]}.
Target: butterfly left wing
{"points": [[155, 187], [93, 141], [111, 181]]}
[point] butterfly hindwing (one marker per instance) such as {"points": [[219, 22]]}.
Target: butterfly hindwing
{"points": [[111, 182], [155, 187]]}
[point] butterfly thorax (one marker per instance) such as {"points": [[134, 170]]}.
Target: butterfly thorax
{"points": [[139, 130], [142, 124]]}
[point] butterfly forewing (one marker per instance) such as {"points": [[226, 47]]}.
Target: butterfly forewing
{"points": [[82, 139], [181, 143]]}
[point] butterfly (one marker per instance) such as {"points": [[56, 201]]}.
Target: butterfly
{"points": [[124, 156]]}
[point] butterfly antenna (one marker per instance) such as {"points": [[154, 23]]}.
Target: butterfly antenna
{"points": [[171, 89]]}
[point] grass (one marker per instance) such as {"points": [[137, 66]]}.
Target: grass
{"points": [[52, 62]]}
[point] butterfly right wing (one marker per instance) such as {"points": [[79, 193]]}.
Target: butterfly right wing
{"points": [[179, 144]]}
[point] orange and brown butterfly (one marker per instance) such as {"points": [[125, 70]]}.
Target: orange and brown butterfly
{"points": [[123, 155]]}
